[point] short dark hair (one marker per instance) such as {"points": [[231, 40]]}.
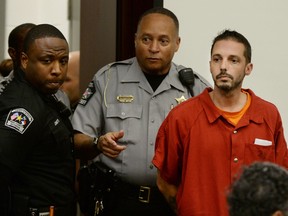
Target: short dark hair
{"points": [[236, 36], [41, 31], [261, 190], [161, 10], [16, 34]]}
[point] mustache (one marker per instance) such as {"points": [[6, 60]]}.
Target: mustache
{"points": [[222, 74]]}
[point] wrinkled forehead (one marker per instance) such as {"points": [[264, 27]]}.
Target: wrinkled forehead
{"points": [[48, 44]]}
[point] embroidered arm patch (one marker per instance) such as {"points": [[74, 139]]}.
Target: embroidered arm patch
{"points": [[88, 94], [19, 119]]}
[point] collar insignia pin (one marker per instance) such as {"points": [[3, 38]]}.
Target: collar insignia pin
{"points": [[181, 99]]}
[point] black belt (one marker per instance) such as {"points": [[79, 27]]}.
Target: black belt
{"points": [[45, 211], [142, 193]]}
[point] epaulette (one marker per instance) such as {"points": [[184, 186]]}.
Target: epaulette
{"points": [[108, 66], [90, 90]]}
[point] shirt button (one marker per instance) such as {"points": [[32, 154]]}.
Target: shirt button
{"points": [[235, 131], [235, 160], [123, 114], [151, 166], [152, 121], [151, 143]]}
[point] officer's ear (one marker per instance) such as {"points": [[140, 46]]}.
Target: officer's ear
{"points": [[24, 60], [12, 52]]}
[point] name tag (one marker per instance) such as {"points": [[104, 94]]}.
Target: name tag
{"points": [[262, 142]]}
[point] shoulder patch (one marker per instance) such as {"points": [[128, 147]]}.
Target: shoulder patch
{"points": [[88, 93], [19, 119]]}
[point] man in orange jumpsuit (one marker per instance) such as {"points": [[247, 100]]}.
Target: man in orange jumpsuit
{"points": [[204, 141]]}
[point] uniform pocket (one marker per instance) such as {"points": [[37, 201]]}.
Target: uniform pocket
{"points": [[127, 117], [255, 152], [124, 110]]}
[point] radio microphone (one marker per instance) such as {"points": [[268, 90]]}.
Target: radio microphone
{"points": [[186, 76]]}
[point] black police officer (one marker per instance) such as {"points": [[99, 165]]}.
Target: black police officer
{"points": [[36, 149]]}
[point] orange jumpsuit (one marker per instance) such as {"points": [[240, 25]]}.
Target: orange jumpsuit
{"points": [[199, 151]]}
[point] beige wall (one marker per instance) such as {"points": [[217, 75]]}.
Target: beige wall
{"points": [[35, 11], [263, 22]]}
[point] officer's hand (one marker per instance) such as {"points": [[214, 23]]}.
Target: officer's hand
{"points": [[108, 144]]}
